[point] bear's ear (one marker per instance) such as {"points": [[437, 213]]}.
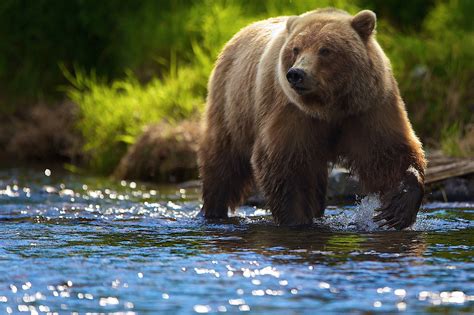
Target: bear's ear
{"points": [[290, 22], [364, 23]]}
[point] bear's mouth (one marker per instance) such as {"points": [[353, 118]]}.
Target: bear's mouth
{"points": [[301, 90]]}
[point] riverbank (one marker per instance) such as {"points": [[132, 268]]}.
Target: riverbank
{"points": [[167, 153]]}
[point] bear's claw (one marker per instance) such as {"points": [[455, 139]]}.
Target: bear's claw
{"points": [[400, 206]]}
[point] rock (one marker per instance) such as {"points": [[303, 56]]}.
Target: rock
{"points": [[452, 189], [342, 187], [163, 153]]}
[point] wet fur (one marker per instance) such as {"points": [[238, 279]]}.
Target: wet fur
{"points": [[257, 130]]}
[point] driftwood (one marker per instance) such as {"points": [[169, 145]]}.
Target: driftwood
{"points": [[441, 167]]}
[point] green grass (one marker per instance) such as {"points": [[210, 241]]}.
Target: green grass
{"points": [[112, 116]]}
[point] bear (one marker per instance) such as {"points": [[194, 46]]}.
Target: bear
{"points": [[287, 97]]}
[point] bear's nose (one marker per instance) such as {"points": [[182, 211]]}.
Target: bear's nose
{"points": [[295, 76]]}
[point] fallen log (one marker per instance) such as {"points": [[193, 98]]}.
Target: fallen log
{"points": [[442, 167]]}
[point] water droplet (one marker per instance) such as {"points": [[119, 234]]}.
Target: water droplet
{"points": [[23, 308], [400, 292], [13, 288], [324, 285], [402, 306], [202, 308], [88, 296], [44, 308], [244, 308], [236, 302], [108, 301]]}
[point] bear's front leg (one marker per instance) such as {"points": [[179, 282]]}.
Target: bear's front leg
{"points": [[293, 182], [396, 174], [383, 150], [381, 147]]}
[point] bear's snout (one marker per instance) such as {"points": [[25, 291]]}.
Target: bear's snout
{"points": [[296, 77]]}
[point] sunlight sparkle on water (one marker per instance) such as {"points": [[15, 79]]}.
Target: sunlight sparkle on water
{"points": [[91, 245]]}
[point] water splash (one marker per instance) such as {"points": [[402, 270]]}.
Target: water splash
{"points": [[432, 217], [363, 216], [359, 219]]}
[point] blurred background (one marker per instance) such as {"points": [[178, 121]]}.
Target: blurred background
{"points": [[119, 86]]}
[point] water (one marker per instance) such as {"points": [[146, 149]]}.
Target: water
{"points": [[80, 244]]}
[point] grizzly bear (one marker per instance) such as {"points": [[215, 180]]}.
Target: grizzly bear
{"points": [[289, 95]]}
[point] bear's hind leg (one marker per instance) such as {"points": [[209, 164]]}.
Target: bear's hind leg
{"points": [[226, 178]]}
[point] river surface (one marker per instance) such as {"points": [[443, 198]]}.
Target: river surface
{"points": [[81, 244]]}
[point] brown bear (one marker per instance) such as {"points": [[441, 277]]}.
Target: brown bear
{"points": [[289, 95]]}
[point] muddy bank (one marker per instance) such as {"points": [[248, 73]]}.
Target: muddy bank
{"points": [[167, 153]]}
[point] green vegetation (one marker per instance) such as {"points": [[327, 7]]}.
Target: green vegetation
{"points": [[130, 63], [112, 116], [435, 70]]}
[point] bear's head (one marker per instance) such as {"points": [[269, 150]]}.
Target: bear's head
{"points": [[330, 65]]}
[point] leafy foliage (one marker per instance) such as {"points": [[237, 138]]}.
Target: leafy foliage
{"points": [[130, 63]]}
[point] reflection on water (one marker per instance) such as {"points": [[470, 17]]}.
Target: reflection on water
{"points": [[80, 244]]}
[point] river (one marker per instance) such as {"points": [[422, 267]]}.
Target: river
{"points": [[72, 243]]}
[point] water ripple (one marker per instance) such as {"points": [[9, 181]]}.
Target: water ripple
{"points": [[91, 245]]}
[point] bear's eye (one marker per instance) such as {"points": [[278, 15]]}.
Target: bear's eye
{"points": [[296, 51], [324, 51]]}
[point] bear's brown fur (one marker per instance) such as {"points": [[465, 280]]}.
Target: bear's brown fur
{"points": [[287, 96]]}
